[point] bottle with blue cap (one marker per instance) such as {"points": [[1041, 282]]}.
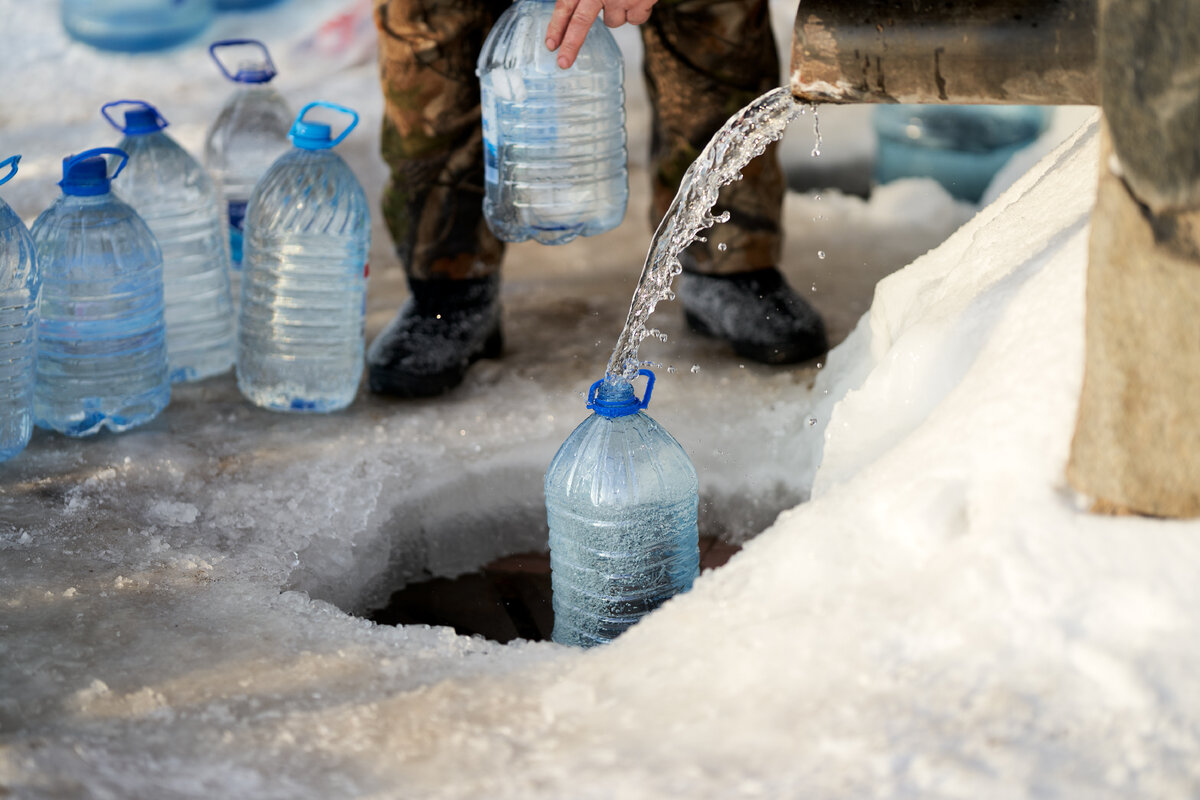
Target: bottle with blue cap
{"points": [[175, 197], [136, 25], [553, 139], [248, 134], [101, 338], [621, 499], [20, 283], [304, 286]]}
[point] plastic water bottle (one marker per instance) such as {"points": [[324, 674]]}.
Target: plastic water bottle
{"points": [[553, 139], [136, 25], [19, 287], [101, 343], [304, 289], [173, 194], [248, 134], [961, 147], [621, 500]]}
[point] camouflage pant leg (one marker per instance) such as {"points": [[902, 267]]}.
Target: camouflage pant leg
{"points": [[705, 60], [431, 136]]}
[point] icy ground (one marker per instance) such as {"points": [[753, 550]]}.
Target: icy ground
{"points": [[942, 619]]}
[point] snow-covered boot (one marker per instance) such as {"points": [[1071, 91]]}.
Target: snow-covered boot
{"points": [[441, 330], [757, 312]]}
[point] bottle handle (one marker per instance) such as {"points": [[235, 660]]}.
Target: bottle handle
{"points": [[268, 69], [159, 119], [98, 151], [645, 401], [332, 106], [10, 162]]}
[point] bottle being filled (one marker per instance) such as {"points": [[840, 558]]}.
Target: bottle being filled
{"points": [[553, 139], [248, 134], [20, 284], [176, 198], [101, 341], [621, 500], [135, 26], [304, 287]]}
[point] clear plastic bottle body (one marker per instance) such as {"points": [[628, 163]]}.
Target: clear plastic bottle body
{"points": [[304, 285], [248, 135], [178, 201], [621, 502], [101, 343], [555, 158], [961, 147], [19, 288], [136, 25]]}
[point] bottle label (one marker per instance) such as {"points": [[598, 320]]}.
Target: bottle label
{"points": [[237, 214]]}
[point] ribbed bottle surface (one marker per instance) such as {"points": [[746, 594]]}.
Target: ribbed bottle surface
{"points": [[249, 133], [178, 201], [304, 285], [19, 286], [101, 343], [554, 139], [136, 25], [621, 501]]}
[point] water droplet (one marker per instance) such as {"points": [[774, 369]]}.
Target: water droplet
{"points": [[819, 365], [812, 421], [695, 368], [722, 246], [816, 197], [671, 369], [821, 254], [814, 287]]}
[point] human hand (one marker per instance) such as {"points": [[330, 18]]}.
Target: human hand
{"points": [[572, 19]]}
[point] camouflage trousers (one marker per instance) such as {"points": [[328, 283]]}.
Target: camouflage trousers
{"points": [[704, 60]]}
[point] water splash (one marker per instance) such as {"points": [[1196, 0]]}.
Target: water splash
{"points": [[743, 137]]}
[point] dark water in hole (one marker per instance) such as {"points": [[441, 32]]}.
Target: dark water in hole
{"points": [[505, 600]]}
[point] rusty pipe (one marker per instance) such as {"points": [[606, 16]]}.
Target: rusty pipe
{"points": [[1028, 52]]}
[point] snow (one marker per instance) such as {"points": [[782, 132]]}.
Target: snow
{"points": [[942, 618]]}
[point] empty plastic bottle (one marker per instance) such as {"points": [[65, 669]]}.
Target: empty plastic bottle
{"points": [[304, 288], [248, 134], [553, 139], [101, 343], [173, 194], [19, 287], [961, 147], [136, 25], [621, 500]]}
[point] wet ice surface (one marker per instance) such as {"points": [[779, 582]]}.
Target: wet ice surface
{"points": [[941, 620]]}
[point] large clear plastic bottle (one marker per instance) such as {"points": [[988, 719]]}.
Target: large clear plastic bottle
{"points": [[175, 196], [304, 288], [961, 147], [19, 287], [248, 134], [101, 343], [621, 500], [553, 139], [136, 25]]}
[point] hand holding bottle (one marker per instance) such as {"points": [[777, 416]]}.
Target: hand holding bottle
{"points": [[572, 19]]}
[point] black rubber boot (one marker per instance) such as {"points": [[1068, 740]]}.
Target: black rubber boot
{"points": [[441, 330], [757, 312]]}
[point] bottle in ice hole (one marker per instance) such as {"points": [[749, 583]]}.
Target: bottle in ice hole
{"points": [[248, 134], [621, 501], [136, 25], [553, 139], [101, 341], [19, 287], [304, 286], [176, 198], [961, 147]]}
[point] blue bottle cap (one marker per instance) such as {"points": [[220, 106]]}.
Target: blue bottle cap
{"points": [[246, 72], [86, 174], [610, 398], [317, 135], [142, 118], [10, 162]]}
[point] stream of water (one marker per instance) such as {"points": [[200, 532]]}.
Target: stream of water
{"points": [[739, 140]]}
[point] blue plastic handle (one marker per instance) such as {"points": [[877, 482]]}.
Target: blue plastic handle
{"points": [[268, 70], [98, 151], [334, 107], [641, 405], [10, 162], [159, 118]]}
